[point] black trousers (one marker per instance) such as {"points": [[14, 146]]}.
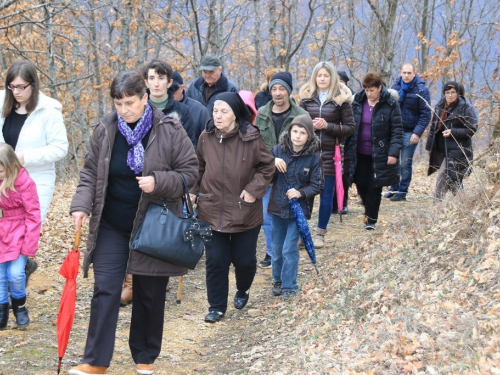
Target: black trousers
{"points": [[226, 248], [110, 260], [146, 326], [371, 195]]}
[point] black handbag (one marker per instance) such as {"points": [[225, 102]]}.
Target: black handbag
{"points": [[164, 236]]}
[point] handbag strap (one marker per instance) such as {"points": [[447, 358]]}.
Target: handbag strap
{"points": [[187, 197]]}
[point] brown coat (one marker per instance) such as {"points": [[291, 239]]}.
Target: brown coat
{"points": [[340, 124], [169, 151], [228, 166]]}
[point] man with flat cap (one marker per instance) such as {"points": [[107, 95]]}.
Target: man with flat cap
{"points": [[211, 82]]}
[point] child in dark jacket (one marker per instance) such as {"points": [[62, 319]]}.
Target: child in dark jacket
{"points": [[298, 175]]}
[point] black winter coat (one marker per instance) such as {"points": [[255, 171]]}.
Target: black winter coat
{"points": [[387, 135], [462, 120], [199, 116], [304, 173]]}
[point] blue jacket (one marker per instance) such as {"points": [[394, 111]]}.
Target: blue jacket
{"points": [[304, 172], [197, 91], [415, 112]]}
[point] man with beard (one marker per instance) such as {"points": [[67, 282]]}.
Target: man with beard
{"points": [[272, 120]]}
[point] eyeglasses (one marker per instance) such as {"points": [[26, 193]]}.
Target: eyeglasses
{"points": [[18, 87]]}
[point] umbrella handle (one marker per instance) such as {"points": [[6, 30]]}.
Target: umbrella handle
{"points": [[179, 290], [77, 236]]}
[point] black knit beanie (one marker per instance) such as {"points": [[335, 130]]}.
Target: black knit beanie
{"points": [[282, 78]]}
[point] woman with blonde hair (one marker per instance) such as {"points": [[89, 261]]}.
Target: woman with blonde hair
{"points": [[20, 224], [328, 102]]}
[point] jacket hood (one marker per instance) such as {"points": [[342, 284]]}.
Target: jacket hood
{"points": [[310, 148], [344, 96], [21, 179], [248, 99]]}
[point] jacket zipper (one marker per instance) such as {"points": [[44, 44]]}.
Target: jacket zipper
{"points": [[223, 185]]}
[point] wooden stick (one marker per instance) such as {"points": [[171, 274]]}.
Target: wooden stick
{"points": [[179, 290]]}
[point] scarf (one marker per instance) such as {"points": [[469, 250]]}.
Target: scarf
{"points": [[135, 156], [405, 88], [443, 115]]}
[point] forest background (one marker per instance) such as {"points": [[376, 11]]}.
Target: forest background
{"points": [[79, 46]]}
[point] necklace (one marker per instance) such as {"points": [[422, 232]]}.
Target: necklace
{"points": [[372, 106]]}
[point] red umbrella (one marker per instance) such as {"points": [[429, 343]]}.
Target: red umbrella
{"points": [[339, 186], [69, 270]]}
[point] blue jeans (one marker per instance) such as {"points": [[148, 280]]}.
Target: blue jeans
{"points": [[406, 162], [268, 221], [326, 202], [13, 272], [285, 260]]}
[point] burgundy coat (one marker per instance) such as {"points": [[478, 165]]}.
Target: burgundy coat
{"points": [[20, 219]]}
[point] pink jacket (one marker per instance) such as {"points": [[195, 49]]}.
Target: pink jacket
{"points": [[248, 99], [20, 220]]}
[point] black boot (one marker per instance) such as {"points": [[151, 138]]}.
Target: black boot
{"points": [[20, 312], [4, 315]]}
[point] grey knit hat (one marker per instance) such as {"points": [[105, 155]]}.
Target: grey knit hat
{"points": [[305, 122], [284, 79]]}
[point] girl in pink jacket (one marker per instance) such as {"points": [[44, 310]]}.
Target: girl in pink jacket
{"points": [[20, 224]]}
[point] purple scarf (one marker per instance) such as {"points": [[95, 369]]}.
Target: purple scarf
{"points": [[135, 156]]}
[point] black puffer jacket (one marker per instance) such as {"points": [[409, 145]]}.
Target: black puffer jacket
{"points": [[462, 121], [340, 124], [387, 135]]}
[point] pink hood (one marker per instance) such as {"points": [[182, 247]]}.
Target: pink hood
{"points": [[247, 97]]}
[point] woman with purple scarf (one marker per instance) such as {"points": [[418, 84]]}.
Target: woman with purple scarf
{"points": [[135, 157]]}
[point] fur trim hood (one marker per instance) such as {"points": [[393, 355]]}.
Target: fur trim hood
{"points": [[310, 148]]}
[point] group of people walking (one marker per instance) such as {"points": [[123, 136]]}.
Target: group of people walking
{"points": [[243, 160]]}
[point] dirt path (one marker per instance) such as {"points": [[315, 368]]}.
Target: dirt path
{"points": [[237, 344]]}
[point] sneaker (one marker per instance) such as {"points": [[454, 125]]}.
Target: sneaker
{"points": [[266, 262], [213, 316], [345, 211], [31, 266], [277, 288], [287, 294], [370, 226], [86, 369], [145, 369], [319, 242], [388, 194], [397, 198]]}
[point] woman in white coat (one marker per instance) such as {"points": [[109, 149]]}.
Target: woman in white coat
{"points": [[32, 124]]}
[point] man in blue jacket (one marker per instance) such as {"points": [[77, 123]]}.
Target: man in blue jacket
{"points": [[212, 82], [414, 100]]}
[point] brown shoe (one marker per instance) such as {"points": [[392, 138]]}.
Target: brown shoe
{"points": [[145, 369], [126, 297], [86, 369]]}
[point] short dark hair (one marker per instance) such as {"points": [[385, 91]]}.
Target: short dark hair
{"points": [[127, 83], [25, 70], [372, 79], [160, 67]]}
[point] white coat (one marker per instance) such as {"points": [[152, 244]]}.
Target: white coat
{"points": [[43, 141]]}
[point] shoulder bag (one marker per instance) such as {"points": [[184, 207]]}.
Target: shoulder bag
{"points": [[164, 236]]}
